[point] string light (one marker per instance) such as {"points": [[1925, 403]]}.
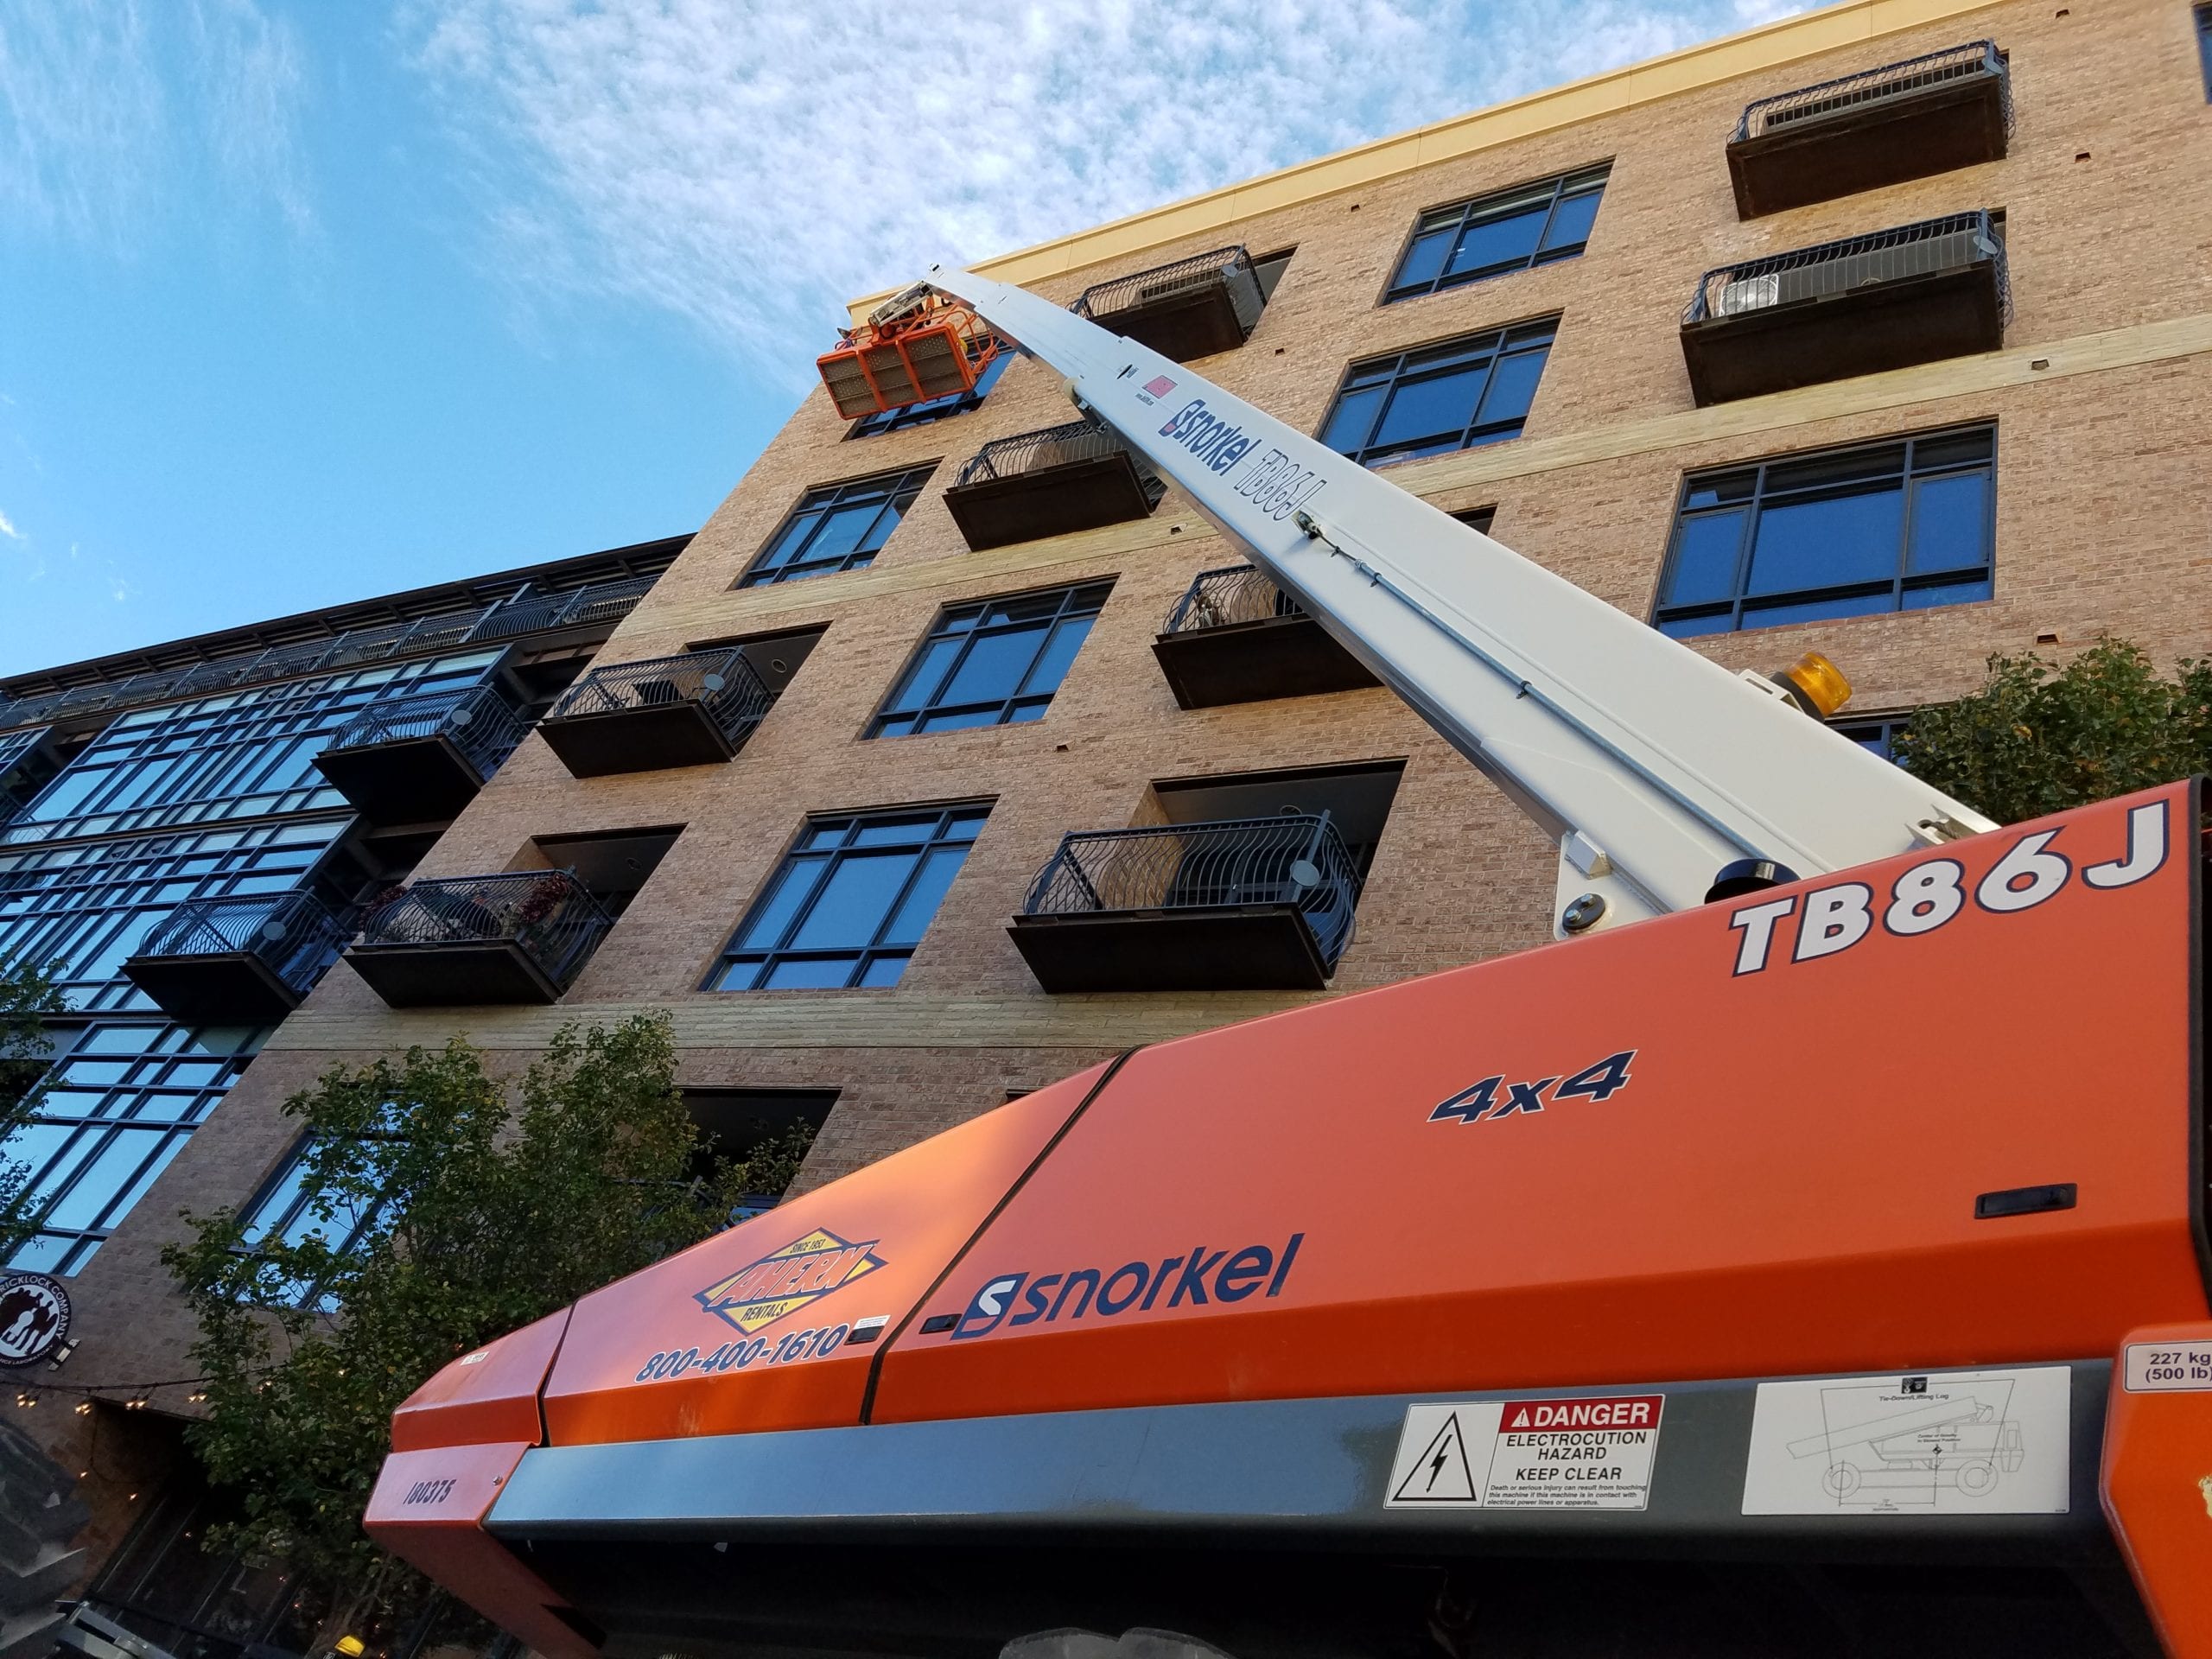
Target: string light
{"points": [[83, 1408]]}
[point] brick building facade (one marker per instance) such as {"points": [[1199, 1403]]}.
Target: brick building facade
{"points": [[2092, 411]]}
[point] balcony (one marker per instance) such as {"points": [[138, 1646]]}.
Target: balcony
{"points": [[26, 763], [245, 960], [1051, 483], [1859, 306], [693, 710], [520, 936], [1906, 120], [1236, 637], [421, 759], [1193, 307], [1245, 904]]}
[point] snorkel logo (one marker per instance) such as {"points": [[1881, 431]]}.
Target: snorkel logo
{"points": [[1219, 443], [1231, 1275]]}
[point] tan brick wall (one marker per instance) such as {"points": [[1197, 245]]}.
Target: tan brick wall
{"points": [[2104, 524]]}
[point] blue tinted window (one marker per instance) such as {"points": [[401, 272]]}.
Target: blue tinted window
{"points": [[1852, 532], [1510, 230], [2204, 44], [109, 1125], [288, 1210], [851, 901], [1876, 736], [934, 408], [837, 527], [1453, 396], [992, 662]]}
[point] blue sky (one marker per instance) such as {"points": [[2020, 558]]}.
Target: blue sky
{"points": [[304, 300]]}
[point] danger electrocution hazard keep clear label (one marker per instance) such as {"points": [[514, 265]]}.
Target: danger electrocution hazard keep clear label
{"points": [[1588, 1453]]}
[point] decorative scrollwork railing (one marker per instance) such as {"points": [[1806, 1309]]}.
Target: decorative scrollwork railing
{"points": [[721, 682], [1230, 594], [1892, 80], [292, 934], [1296, 859], [551, 914], [1057, 446], [479, 722], [1854, 262]]}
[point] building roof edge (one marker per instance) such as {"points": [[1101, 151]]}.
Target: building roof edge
{"points": [[1764, 46]]}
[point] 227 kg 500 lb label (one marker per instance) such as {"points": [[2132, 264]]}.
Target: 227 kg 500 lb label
{"points": [[1593, 1453]]}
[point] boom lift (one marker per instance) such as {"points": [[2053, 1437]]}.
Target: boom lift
{"points": [[1760, 1279]]}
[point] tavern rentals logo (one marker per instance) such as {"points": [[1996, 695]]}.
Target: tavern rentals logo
{"points": [[759, 1294]]}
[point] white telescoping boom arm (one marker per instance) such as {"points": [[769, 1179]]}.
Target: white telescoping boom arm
{"points": [[1649, 766]]}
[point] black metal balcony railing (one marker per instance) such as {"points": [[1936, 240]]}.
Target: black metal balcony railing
{"points": [[549, 915], [721, 682], [479, 722], [1230, 594], [1057, 446], [600, 603], [1891, 81], [1170, 281], [1296, 859], [1931, 246], [1190, 309], [292, 934]]}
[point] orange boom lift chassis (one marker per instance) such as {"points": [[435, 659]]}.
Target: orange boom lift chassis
{"points": [[1820, 1269]]}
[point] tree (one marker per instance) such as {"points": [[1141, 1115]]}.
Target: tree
{"points": [[27, 995], [2040, 738], [442, 1217]]}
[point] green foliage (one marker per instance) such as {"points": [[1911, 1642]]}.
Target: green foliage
{"points": [[480, 1218], [2038, 738], [27, 996]]}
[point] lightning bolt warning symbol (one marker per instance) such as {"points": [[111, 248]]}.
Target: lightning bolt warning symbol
{"points": [[1440, 1474]]}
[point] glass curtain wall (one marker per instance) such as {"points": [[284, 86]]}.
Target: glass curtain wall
{"points": [[214, 795]]}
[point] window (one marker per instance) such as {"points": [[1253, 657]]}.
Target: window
{"points": [[119, 1106], [992, 664], [1437, 398], [1877, 736], [240, 754], [1532, 225], [90, 904], [1477, 518], [1267, 270], [837, 527], [851, 901], [2204, 44], [933, 409], [284, 1210], [1892, 527]]}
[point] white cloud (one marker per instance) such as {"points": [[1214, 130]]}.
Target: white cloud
{"points": [[748, 165], [113, 111], [9, 529]]}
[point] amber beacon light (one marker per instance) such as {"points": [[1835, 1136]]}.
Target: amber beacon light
{"points": [[1815, 684]]}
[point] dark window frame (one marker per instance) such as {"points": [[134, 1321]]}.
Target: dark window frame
{"points": [[1730, 613], [1456, 219], [1436, 359], [899, 487], [961, 627], [167, 1081], [941, 408], [761, 961], [254, 1226], [1877, 733]]}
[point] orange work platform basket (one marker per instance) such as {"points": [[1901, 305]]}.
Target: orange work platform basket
{"points": [[917, 345]]}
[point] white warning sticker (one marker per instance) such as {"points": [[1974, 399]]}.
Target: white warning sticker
{"points": [[1945, 1443], [2168, 1367], [1587, 1453]]}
